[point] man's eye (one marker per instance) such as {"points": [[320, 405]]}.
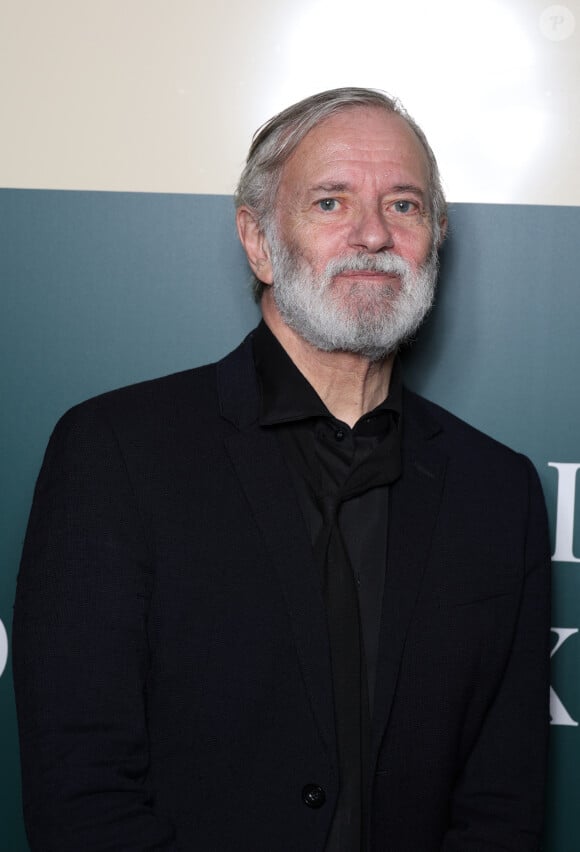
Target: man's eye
{"points": [[328, 204], [404, 206]]}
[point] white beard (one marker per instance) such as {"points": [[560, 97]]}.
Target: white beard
{"points": [[368, 319]]}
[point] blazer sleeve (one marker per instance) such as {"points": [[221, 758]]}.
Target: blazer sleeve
{"points": [[498, 802], [80, 651]]}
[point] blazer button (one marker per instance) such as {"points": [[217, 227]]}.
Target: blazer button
{"points": [[313, 796]]}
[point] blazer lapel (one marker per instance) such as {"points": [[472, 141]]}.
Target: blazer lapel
{"points": [[268, 488], [413, 507]]}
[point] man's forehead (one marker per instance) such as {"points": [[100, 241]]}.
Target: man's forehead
{"points": [[361, 135]]}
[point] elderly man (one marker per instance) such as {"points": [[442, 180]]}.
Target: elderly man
{"points": [[280, 603]]}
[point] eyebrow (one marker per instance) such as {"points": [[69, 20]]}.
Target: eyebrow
{"points": [[410, 187], [330, 187]]}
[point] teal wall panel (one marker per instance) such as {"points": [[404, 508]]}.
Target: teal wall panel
{"points": [[98, 290]]}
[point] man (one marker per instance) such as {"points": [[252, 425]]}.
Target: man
{"points": [[280, 603]]}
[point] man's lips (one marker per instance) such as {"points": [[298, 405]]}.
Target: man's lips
{"points": [[368, 275]]}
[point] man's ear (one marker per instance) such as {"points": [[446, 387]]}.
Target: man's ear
{"points": [[443, 222], [255, 244]]}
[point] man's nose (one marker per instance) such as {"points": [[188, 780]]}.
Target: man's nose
{"points": [[371, 231]]}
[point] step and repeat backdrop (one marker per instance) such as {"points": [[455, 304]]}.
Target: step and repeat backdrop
{"points": [[125, 127]]}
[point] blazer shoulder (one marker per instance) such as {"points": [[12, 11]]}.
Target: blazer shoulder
{"points": [[453, 433], [156, 400], [185, 402]]}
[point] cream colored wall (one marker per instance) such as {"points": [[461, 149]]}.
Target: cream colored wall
{"points": [[163, 95]]}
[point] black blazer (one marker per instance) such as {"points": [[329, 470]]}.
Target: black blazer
{"points": [[171, 659]]}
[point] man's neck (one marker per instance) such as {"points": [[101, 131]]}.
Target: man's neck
{"points": [[350, 385]]}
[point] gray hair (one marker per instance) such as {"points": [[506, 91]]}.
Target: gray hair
{"points": [[274, 143]]}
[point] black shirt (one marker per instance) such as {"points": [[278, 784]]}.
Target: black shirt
{"points": [[324, 448]]}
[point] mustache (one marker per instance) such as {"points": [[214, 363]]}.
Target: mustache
{"points": [[387, 264]]}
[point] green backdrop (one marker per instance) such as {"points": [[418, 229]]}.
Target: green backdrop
{"points": [[103, 289]]}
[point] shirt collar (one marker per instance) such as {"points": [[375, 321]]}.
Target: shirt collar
{"points": [[287, 396]]}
